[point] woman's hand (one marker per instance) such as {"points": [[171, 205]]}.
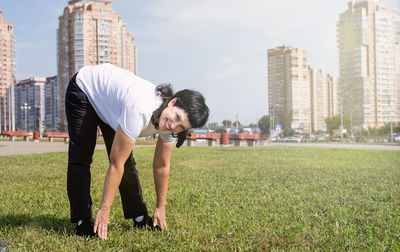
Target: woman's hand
{"points": [[120, 150], [159, 218], [161, 164], [101, 222]]}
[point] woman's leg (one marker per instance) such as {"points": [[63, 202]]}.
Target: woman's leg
{"points": [[82, 129], [130, 189]]}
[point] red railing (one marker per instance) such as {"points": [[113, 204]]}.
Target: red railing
{"points": [[212, 136], [17, 133], [56, 134]]}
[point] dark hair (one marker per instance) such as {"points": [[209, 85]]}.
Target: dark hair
{"points": [[165, 91], [192, 102]]}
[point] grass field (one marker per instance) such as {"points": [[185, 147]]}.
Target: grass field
{"points": [[243, 198]]}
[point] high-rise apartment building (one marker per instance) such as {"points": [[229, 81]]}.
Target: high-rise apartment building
{"points": [[7, 74], [51, 102], [323, 88], [368, 41], [333, 104], [30, 105], [90, 32], [289, 88]]}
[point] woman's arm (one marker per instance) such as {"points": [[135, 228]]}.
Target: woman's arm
{"points": [[161, 166], [120, 150]]}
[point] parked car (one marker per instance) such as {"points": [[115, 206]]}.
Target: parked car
{"points": [[275, 139], [335, 138], [309, 137], [300, 137], [292, 139], [396, 137], [360, 139], [320, 138]]}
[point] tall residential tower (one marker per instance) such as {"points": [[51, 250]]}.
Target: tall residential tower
{"points": [[289, 88], [368, 42], [323, 97], [30, 104], [90, 32], [7, 74]]}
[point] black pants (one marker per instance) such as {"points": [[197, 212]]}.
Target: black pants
{"points": [[82, 128]]}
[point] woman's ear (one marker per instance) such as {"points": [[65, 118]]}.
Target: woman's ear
{"points": [[172, 102]]}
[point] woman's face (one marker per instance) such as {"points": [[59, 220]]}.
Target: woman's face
{"points": [[173, 118]]}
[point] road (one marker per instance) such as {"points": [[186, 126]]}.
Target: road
{"points": [[341, 145]]}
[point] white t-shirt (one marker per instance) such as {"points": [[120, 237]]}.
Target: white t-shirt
{"points": [[122, 98]]}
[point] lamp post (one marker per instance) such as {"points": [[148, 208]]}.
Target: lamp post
{"points": [[391, 130], [391, 125], [273, 116], [26, 108], [341, 120], [273, 119]]}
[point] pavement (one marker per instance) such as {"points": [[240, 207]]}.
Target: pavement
{"points": [[8, 148]]}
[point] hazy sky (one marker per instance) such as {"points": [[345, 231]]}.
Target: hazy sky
{"points": [[218, 47]]}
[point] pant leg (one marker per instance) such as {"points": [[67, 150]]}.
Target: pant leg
{"points": [[82, 129], [130, 188]]}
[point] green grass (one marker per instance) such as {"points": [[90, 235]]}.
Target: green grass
{"points": [[243, 198]]}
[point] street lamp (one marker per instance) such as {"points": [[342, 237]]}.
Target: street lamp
{"points": [[391, 122], [341, 119], [273, 116], [26, 108]]}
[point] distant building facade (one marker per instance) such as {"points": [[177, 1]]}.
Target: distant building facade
{"points": [[7, 74], [368, 41], [51, 104], [333, 106], [30, 104], [289, 88], [90, 33], [323, 88]]}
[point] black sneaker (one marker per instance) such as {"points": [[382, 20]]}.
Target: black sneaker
{"points": [[85, 229], [146, 223]]}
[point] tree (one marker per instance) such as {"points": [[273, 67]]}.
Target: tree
{"points": [[213, 126], [252, 125], [237, 124], [396, 127], [220, 129], [227, 123], [264, 124], [333, 123], [385, 129]]}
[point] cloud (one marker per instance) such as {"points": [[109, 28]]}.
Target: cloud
{"points": [[220, 47], [27, 45], [227, 60], [229, 67], [249, 14], [234, 12], [250, 24]]}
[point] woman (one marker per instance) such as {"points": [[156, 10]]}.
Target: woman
{"points": [[125, 107]]}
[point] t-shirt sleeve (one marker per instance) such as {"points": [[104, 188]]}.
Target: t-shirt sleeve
{"points": [[167, 137], [132, 120]]}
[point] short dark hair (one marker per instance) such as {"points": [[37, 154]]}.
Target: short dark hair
{"points": [[192, 102]]}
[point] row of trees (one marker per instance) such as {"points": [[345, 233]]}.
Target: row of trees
{"points": [[332, 123], [263, 124]]}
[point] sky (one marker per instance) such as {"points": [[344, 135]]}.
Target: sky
{"points": [[217, 47]]}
